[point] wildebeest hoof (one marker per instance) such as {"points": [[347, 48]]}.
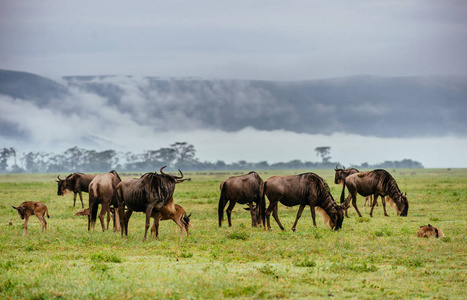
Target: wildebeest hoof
{"points": [[293, 229]]}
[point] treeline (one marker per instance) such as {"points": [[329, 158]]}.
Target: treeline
{"points": [[177, 156]]}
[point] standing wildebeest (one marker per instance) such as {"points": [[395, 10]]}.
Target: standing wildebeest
{"points": [[339, 177], [29, 208], [102, 190], [150, 192], [175, 212], [244, 189], [377, 183], [304, 189], [77, 183]]}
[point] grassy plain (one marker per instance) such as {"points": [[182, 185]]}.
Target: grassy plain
{"points": [[378, 257]]}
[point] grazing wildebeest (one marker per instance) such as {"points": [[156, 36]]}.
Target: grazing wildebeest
{"points": [[29, 208], [77, 183], [339, 177], [148, 194], [304, 189], [243, 189], [175, 212], [429, 231], [102, 190], [377, 183]]}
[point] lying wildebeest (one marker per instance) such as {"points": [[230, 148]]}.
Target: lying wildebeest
{"points": [[102, 190], [377, 183], [243, 189], [341, 174], [29, 208], [77, 183], [148, 194], [429, 231], [175, 212], [304, 189]]}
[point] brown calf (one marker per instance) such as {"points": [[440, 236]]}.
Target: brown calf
{"points": [[176, 213], [429, 231], [29, 208]]}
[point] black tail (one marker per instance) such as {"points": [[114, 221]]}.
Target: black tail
{"points": [[220, 208], [95, 205], [263, 204], [343, 192]]}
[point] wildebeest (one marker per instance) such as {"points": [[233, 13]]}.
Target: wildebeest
{"points": [[378, 183], [175, 212], [429, 231], [243, 189], [304, 189], [341, 174], [150, 192], [30, 208], [102, 190], [77, 183]]}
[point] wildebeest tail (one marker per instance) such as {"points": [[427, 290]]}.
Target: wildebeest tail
{"points": [[95, 204], [220, 208], [263, 203], [47, 212], [343, 192]]}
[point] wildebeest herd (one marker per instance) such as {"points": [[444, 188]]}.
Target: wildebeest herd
{"points": [[153, 192]]}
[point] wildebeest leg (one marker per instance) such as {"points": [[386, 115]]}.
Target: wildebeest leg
{"points": [[229, 211], [25, 225], [346, 204], [268, 212], [253, 214], [276, 217], [221, 209], [74, 199], [43, 222], [108, 218], [383, 200], [354, 203], [148, 220], [373, 205], [80, 198], [121, 214], [116, 220], [299, 214], [313, 214], [180, 224], [126, 220], [105, 209]]}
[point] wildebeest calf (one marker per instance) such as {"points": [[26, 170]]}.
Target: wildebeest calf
{"points": [[29, 208], [176, 213], [429, 231]]}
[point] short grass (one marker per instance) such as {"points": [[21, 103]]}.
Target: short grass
{"points": [[378, 257]]}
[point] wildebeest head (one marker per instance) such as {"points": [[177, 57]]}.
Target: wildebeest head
{"points": [[186, 221], [339, 175], [403, 207], [338, 217], [256, 214], [21, 211], [61, 184]]}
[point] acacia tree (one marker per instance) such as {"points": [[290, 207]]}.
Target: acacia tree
{"points": [[324, 153]]}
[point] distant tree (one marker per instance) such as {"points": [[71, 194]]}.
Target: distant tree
{"points": [[5, 154], [324, 153]]}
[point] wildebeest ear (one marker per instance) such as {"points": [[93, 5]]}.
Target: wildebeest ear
{"points": [[437, 233], [189, 216], [14, 207], [429, 225]]}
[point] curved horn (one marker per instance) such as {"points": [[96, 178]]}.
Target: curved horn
{"points": [[336, 168], [58, 176], [162, 169], [178, 177]]}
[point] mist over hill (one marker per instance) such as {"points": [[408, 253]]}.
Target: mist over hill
{"points": [[364, 105]]}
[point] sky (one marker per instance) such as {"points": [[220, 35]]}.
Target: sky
{"points": [[264, 40]]}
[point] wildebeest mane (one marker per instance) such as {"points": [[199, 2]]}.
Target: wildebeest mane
{"points": [[388, 182]]}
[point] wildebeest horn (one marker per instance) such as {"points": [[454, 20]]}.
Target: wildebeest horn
{"points": [[335, 169], [58, 176], [162, 169], [178, 177]]}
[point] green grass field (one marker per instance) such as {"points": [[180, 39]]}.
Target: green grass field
{"points": [[378, 257]]}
